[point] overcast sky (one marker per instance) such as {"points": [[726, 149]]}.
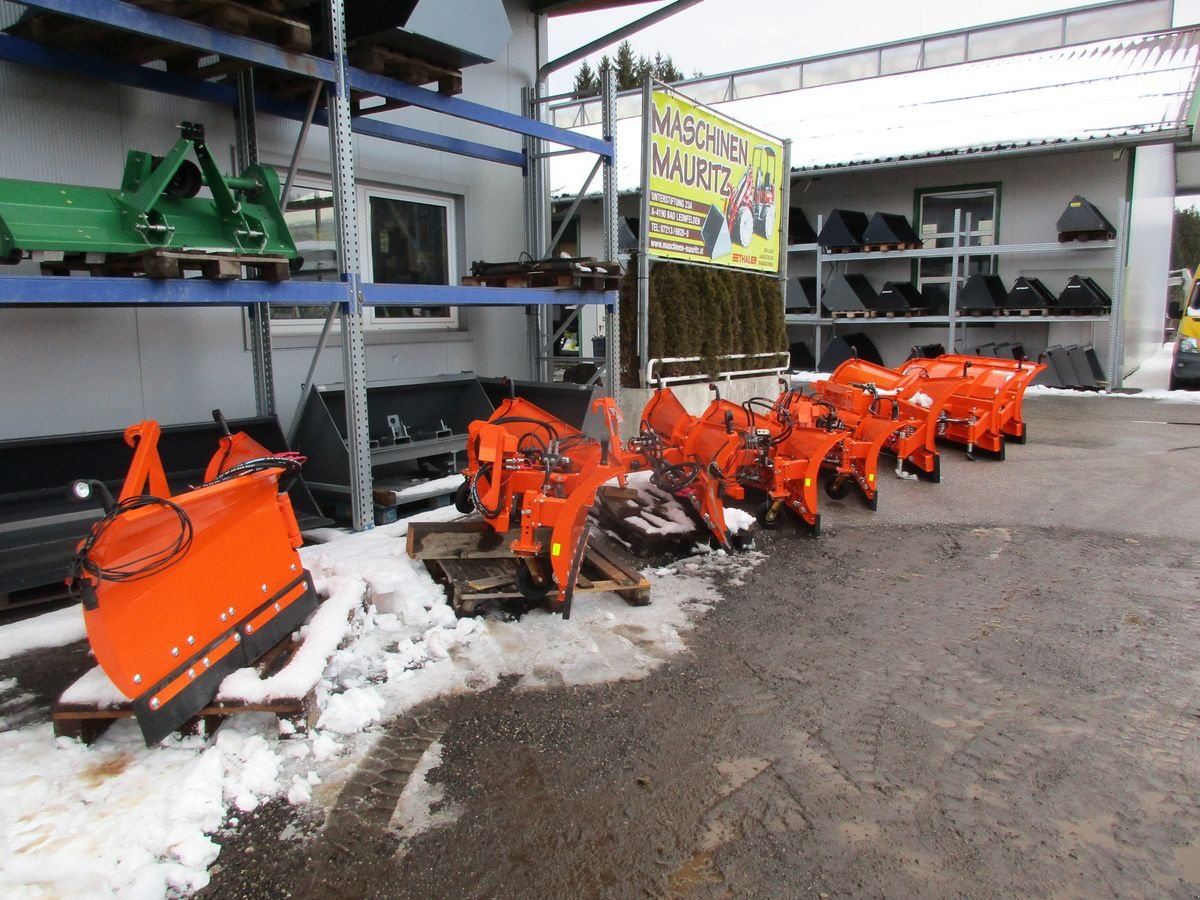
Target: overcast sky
{"points": [[722, 35]]}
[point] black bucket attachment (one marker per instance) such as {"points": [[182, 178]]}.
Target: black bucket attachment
{"points": [[926, 351], [1086, 364], [986, 350], [1009, 350], [1029, 293], [1064, 369], [890, 231], [1082, 292], [802, 358], [1081, 221], [801, 295], [982, 292], [904, 292], [849, 346], [799, 231], [843, 230], [849, 293], [715, 232]]}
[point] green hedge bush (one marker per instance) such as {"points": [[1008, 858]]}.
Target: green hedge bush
{"points": [[702, 311]]}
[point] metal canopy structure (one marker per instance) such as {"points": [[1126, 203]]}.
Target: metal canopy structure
{"points": [[349, 295]]}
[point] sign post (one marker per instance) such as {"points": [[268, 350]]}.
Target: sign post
{"points": [[713, 193]]}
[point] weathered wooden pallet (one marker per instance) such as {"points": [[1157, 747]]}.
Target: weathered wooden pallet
{"points": [[87, 722], [852, 313], [1027, 311], [476, 566], [163, 263], [888, 247], [900, 313]]}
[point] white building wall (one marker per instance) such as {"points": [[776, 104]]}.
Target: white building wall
{"points": [[1034, 191], [66, 370]]}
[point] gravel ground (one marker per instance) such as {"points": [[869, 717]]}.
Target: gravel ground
{"points": [[986, 688]]}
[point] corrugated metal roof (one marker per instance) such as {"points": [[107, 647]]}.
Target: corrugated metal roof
{"points": [[1130, 89]]}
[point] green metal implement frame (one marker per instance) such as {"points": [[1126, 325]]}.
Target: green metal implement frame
{"points": [[156, 207]]}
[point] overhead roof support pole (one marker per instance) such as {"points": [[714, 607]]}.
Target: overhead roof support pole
{"points": [[613, 36]]}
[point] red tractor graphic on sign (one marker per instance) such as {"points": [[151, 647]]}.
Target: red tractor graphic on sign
{"points": [[751, 207]]}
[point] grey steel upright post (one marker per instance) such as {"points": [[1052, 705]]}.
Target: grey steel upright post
{"points": [[643, 285], [260, 320], [612, 318], [536, 204], [1116, 315], [354, 354], [785, 205]]}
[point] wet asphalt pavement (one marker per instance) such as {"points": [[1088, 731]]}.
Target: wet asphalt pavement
{"points": [[989, 688]]}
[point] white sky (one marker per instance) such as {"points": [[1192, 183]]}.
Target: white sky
{"points": [[724, 35]]}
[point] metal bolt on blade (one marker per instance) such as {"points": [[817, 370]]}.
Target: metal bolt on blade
{"points": [[154, 704], [137, 679]]}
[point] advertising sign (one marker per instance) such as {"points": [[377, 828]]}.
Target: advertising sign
{"points": [[714, 188]]}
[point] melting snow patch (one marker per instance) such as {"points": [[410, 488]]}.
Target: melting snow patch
{"points": [[120, 819]]}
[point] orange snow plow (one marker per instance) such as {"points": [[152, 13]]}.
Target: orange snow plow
{"points": [[717, 455], [905, 413], [533, 473], [695, 464], [993, 391], [179, 591]]}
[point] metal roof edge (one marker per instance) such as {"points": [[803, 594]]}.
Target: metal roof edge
{"points": [[1167, 136]]}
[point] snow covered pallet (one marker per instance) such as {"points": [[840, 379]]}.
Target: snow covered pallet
{"points": [[89, 706], [476, 566]]}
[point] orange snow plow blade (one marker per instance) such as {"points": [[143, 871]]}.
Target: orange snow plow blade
{"points": [[534, 474], [690, 461], [179, 591], [864, 393], [785, 457], [994, 387]]}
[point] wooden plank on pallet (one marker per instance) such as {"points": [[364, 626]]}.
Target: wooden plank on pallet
{"points": [[88, 721]]}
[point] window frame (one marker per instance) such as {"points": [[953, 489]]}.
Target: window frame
{"points": [[975, 238], [371, 321]]}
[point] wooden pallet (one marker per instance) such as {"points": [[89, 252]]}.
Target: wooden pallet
{"points": [[591, 276], [87, 722], [899, 313], [163, 263], [887, 248], [1027, 311], [477, 568], [852, 314]]}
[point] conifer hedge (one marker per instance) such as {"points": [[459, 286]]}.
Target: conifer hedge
{"points": [[702, 311]]}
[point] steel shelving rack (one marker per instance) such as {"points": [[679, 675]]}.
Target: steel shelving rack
{"points": [[959, 252], [349, 295]]}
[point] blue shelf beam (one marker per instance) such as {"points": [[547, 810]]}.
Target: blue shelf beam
{"points": [[30, 53], [180, 31], [454, 295], [63, 291], [116, 14], [49, 290]]}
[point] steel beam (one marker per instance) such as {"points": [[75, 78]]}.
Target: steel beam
{"points": [[125, 17]]}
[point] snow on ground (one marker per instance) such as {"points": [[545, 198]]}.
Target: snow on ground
{"points": [[120, 819]]}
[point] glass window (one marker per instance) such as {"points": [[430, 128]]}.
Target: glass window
{"points": [[403, 239], [978, 209], [410, 244]]}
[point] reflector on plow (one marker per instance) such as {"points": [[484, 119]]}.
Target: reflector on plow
{"points": [[180, 591]]}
